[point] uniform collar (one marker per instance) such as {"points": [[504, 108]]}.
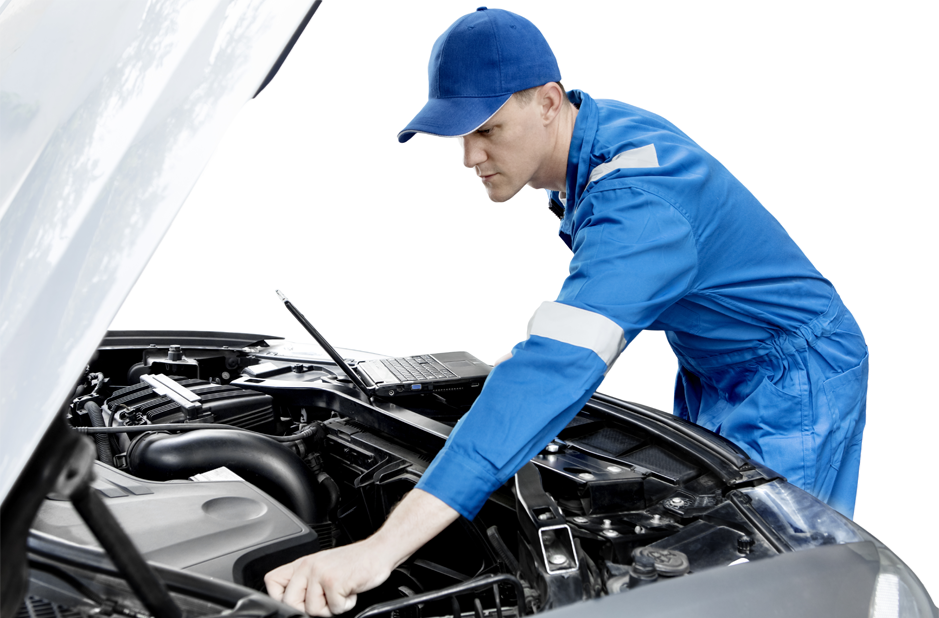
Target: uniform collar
{"points": [[578, 157]]}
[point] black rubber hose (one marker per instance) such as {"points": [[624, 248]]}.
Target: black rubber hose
{"points": [[254, 457], [332, 491], [102, 441], [495, 539]]}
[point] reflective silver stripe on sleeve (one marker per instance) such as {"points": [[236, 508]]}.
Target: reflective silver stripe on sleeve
{"points": [[635, 158], [579, 327]]}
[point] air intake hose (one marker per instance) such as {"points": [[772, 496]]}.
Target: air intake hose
{"points": [[269, 465]]}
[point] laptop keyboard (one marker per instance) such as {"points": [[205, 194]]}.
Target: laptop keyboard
{"points": [[417, 368]]}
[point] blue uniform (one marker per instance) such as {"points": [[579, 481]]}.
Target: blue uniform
{"points": [[665, 238]]}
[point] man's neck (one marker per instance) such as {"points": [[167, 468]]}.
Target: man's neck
{"points": [[561, 148]]}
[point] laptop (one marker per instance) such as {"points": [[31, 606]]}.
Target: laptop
{"points": [[410, 375]]}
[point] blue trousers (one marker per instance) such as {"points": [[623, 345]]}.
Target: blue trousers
{"points": [[795, 403]]}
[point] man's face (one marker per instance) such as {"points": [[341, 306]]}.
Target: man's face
{"points": [[508, 151]]}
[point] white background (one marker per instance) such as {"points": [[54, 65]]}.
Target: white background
{"points": [[826, 111]]}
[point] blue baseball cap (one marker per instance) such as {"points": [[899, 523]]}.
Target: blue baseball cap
{"points": [[475, 66]]}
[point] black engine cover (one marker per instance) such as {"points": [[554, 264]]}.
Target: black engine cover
{"points": [[219, 403]]}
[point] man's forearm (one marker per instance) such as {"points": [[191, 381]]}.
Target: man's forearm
{"points": [[417, 519]]}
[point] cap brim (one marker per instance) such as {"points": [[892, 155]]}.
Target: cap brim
{"points": [[453, 117]]}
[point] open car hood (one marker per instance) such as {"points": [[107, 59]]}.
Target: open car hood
{"points": [[109, 111]]}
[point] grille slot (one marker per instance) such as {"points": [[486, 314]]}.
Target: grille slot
{"points": [[34, 607]]}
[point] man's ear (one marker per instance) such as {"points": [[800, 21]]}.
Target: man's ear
{"points": [[550, 98]]}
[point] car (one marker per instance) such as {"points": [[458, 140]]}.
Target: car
{"points": [[220, 455]]}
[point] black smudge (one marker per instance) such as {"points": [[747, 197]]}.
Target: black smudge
{"points": [[835, 57]]}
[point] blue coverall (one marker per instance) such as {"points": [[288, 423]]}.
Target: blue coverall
{"points": [[665, 238]]}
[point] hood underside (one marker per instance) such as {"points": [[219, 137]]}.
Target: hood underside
{"points": [[109, 111]]}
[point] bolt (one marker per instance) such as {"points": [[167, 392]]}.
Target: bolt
{"points": [[586, 476], [640, 530], [745, 544], [225, 375], [614, 469], [552, 448], [656, 518], [544, 516], [610, 533], [580, 520], [557, 559], [676, 501], [606, 523], [643, 565]]}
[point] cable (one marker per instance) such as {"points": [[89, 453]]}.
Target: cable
{"points": [[306, 433]]}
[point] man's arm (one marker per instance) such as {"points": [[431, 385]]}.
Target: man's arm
{"points": [[634, 256], [327, 582]]}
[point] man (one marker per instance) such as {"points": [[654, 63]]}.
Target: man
{"points": [[663, 238]]}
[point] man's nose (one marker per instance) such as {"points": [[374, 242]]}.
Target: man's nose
{"points": [[473, 154]]}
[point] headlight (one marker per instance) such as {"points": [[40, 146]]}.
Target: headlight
{"points": [[801, 519], [804, 522], [898, 592]]}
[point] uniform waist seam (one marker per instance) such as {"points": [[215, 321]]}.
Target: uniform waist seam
{"points": [[783, 342]]}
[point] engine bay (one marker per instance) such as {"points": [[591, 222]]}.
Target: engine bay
{"points": [[212, 473]]}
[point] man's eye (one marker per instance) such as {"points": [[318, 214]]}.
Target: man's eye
{"points": [[483, 131]]}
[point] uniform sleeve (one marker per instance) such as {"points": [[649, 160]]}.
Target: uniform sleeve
{"points": [[634, 256]]}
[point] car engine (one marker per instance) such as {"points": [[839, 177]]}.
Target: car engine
{"points": [[229, 455]]}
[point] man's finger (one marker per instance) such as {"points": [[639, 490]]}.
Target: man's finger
{"points": [[296, 591], [338, 602], [276, 581], [316, 601]]}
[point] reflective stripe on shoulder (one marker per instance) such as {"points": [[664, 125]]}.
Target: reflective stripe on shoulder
{"points": [[579, 327], [635, 158]]}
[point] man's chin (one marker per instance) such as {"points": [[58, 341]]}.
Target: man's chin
{"points": [[501, 195]]}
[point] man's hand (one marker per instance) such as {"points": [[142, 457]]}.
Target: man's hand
{"points": [[327, 582]]}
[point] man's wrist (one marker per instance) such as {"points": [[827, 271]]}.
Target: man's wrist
{"points": [[387, 550]]}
